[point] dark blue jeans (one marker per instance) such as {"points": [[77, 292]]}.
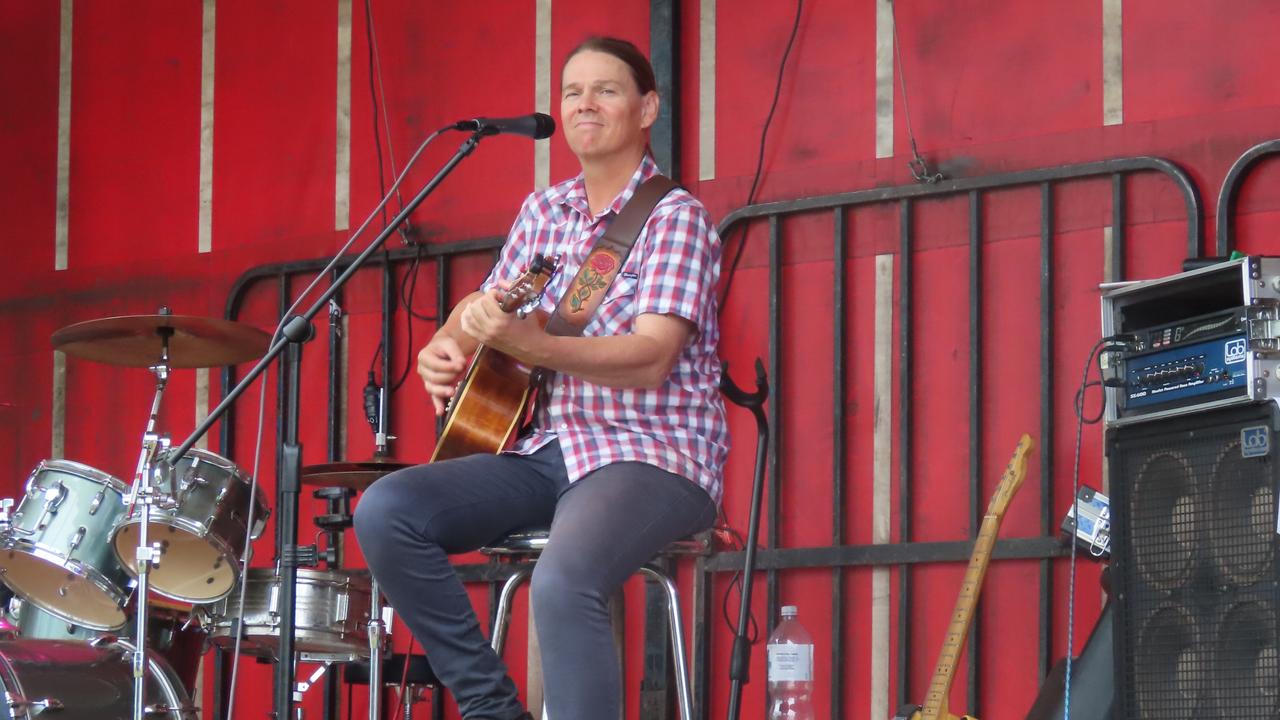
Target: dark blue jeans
{"points": [[603, 528]]}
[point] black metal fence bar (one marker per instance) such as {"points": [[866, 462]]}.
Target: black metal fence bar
{"points": [[838, 455], [1225, 241]]}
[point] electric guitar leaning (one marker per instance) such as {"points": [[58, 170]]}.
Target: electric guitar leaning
{"points": [[935, 705], [493, 397]]}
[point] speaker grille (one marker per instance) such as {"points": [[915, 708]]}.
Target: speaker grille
{"points": [[1195, 571]]}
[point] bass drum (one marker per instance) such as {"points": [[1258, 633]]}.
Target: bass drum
{"points": [[73, 680], [171, 632]]}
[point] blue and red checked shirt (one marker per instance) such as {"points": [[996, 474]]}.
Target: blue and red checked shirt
{"points": [[672, 269]]}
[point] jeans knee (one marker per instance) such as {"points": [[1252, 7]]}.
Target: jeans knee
{"points": [[557, 590], [373, 518]]}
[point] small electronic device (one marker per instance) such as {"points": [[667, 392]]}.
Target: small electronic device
{"points": [[1089, 522]]}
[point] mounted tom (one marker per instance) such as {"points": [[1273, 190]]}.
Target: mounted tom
{"points": [[201, 522], [55, 551]]}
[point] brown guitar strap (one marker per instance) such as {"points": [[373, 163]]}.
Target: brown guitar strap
{"points": [[598, 271]]}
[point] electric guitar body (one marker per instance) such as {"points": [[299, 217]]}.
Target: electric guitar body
{"points": [[494, 395], [935, 706]]}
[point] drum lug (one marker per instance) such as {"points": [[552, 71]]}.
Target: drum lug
{"points": [[342, 608], [189, 482], [38, 706], [52, 501], [76, 539], [97, 501], [273, 603]]}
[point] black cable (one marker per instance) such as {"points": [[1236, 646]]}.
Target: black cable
{"points": [[764, 135], [377, 149], [735, 583], [373, 96], [410, 279]]}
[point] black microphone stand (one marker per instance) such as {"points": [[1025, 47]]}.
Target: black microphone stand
{"points": [[296, 331], [739, 662]]}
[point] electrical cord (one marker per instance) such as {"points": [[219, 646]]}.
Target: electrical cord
{"points": [[1114, 342], [735, 583], [764, 135]]}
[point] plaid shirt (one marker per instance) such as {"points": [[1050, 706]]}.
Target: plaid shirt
{"points": [[672, 269]]}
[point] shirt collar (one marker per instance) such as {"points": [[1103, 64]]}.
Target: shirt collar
{"points": [[576, 197]]}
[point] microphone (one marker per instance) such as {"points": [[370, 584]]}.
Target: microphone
{"points": [[535, 125]]}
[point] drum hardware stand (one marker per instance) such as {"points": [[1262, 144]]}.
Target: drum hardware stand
{"points": [[376, 635], [147, 555], [305, 685], [332, 524], [295, 331]]}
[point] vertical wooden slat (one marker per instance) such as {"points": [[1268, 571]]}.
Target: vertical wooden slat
{"points": [[882, 482], [63, 204], [207, 43], [707, 90], [342, 166], [542, 91]]}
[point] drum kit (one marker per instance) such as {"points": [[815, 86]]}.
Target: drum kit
{"points": [[82, 552]]}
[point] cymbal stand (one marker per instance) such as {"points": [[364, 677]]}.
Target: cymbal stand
{"points": [[148, 555], [376, 633]]}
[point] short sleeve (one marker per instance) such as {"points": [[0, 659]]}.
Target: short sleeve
{"points": [[680, 261]]}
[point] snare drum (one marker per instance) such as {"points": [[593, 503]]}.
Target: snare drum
{"points": [[84, 681], [56, 552], [331, 616], [199, 520]]}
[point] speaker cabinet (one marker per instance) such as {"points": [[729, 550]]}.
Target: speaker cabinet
{"points": [[1194, 565]]}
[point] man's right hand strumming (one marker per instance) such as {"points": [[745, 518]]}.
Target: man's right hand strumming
{"points": [[440, 363]]}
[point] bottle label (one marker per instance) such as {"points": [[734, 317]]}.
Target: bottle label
{"points": [[790, 663]]}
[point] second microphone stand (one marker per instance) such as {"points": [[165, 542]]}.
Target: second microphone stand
{"points": [[296, 331]]}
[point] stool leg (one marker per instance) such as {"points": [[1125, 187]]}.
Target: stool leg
{"points": [[499, 638], [677, 639]]}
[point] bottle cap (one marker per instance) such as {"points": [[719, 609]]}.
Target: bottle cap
{"points": [[789, 611]]}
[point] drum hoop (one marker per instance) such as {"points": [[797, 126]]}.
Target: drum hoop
{"points": [[78, 569], [87, 472], [218, 461], [166, 678], [314, 576], [161, 517], [12, 683], [75, 567]]}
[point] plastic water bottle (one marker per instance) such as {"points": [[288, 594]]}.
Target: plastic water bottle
{"points": [[790, 651]]}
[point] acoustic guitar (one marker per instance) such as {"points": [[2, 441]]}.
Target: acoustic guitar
{"points": [[935, 705], [494, 395]]}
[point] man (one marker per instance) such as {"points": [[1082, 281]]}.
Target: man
{"points": [[625, 454]]}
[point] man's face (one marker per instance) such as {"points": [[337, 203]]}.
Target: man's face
{"points": [[601, 108]]}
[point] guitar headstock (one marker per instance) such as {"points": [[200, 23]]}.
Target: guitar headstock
{"points": [[529, 286], [1014, 473]]}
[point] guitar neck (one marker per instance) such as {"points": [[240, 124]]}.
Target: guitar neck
{"points": [[940, 687]]}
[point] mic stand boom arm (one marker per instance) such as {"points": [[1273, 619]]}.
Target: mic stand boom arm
{"points": [[296, 331]]}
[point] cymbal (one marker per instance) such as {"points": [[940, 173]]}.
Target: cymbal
{"points": [[137, 340], [355, 475]]}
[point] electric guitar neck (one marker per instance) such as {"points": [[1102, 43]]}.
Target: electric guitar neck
{"points": [[935, 705]]}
